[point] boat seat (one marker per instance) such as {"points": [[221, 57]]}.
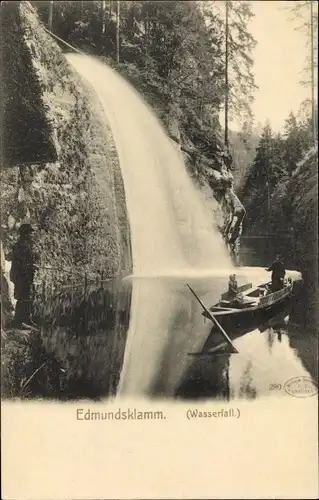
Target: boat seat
{"points": [[246, 304], [238, 305], [224, 303]]}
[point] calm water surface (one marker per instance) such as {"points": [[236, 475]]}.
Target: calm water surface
{"points": [[143, 337]]}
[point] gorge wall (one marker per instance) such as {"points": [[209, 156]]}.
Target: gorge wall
{"points": [[60, 169]]}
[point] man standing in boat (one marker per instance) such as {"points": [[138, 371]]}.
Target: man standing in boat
{"points": [[278, 273]]}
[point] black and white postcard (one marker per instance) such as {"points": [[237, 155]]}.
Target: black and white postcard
{"points": [[159, 271]]}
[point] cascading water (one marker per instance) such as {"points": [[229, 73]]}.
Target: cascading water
{"points": [[172, 233], [171, 228]]}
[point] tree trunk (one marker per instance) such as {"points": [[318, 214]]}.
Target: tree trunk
{"points": [[268, 186], [226, 74], [103, 8], [117, 31], [50, 19], [313, 104]]}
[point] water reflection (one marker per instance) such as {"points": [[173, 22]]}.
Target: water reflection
{"points": [[165, 327], [146, 337], [86, 331], [264, 363]]}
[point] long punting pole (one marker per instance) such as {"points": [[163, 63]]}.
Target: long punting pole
{"points": [[214, 320]]}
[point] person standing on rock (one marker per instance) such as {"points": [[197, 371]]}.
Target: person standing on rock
{"points": [[22, 275]]}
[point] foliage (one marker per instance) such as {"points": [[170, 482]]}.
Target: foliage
{"points": [[280, 192], [173, 52], [275, 162], [241, 45], [243, 149], [297, 141], [27, 369]]}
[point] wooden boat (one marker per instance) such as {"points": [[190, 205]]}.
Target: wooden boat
{"points": [[233, 319], [258, 305], [216, 342]]}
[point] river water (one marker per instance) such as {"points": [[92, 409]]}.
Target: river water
{"points": [[142, 337]]}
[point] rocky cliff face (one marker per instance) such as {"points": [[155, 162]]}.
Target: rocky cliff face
{"points": [[212, 173], [303, 190], [60, 169]]}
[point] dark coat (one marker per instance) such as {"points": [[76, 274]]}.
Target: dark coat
{"points": [[23, 263], [278, 270]]}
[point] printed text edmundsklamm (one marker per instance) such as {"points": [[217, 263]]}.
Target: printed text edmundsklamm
{"points": [[128, 414]]}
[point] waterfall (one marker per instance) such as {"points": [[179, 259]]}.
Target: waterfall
{"points": [[171, 228], [173, 235]]}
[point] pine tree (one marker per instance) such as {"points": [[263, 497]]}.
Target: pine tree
{"points": [[238, 48], [294, 144], [241, 45], [260, 182], [306, 12], [261, 164]]}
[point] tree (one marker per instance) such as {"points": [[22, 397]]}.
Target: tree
{"points": [[264, 174], [241, 45], [295, 143], [181, 48], [232, 21], [306, 12], [171, 51], [238, 48], [226, 71], [243, 146]]}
